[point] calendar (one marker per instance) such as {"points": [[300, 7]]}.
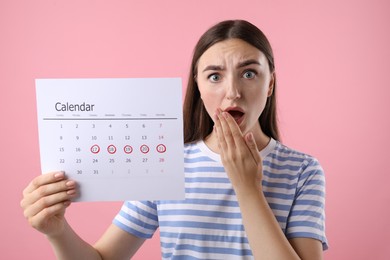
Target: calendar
{"points": [[119, 139]]}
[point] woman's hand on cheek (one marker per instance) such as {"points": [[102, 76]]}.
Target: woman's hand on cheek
{"points": [[239, 154]]}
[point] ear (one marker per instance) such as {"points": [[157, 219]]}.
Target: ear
{"points": [[271, 85]]}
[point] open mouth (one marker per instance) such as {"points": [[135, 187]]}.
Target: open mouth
{"points": [[237, 115]]}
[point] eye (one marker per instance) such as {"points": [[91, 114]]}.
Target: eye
{"points": [[249, 74], [214, 77]]}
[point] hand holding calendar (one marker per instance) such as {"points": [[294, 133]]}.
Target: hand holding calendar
{"points": [[119, 139]]}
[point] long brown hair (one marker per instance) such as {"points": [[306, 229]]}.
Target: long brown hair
{"points": [[197, 123]]}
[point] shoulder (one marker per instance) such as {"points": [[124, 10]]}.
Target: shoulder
{"points": [[191, 148], [290, 153], [285, 155], [292, 164]]}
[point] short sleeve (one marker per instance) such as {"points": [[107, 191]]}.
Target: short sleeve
{"points": [[139, 218], [307, 215]]}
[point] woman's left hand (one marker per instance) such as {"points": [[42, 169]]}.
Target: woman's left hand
{"points": [[239, 154]]}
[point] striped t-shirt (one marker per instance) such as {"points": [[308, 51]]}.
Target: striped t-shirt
{"points": [[208, 223]]}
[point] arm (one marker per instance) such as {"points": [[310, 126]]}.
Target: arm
{"points": [[243, 164], [45, 201], [114, 244], [265, 236]]}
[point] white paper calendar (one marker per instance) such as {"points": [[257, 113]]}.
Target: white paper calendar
{"points": [[120, 139]]}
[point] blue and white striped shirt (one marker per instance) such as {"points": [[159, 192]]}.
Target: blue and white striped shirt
{"points": [[208, 223]]}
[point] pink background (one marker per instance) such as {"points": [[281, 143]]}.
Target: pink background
{"points": [[332, 58]]}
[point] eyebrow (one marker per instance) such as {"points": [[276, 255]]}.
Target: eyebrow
{"points": [[213, 67], [240, 65], [248, 62]]}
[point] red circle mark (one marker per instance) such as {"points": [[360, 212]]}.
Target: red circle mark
{"points": [[161, 148], [111, 149], [144, 148], [128, 149], [95, 148]]}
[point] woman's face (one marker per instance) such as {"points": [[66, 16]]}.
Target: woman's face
{"points": [[234, 76]]}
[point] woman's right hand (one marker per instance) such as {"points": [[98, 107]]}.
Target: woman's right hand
{"points": [[45, 200]]}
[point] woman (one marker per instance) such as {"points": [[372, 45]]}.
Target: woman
{"points": [[247, 195]]}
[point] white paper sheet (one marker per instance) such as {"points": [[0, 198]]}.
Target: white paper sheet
{"points": [[120, 139]]}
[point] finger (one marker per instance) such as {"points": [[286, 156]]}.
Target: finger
{"points": [[47, 190], [231, 131], [218, 130], [42, 180], [37, 221], [53, 188], [225, 132], [48, 202]]}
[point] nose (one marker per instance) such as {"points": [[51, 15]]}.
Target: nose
{"points": [[233, 90]]}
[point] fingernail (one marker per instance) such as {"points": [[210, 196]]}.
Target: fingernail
{"points": [[59, 175], [70, 183], [71, 192]]}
